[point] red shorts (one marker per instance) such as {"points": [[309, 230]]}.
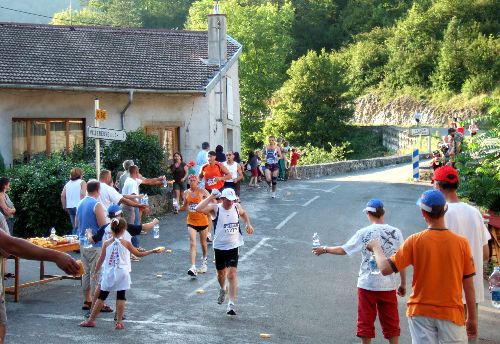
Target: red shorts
{"points": [[386, 304], [255, 172]]}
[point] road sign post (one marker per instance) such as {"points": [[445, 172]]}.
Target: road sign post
{"points": [[97, 141]]}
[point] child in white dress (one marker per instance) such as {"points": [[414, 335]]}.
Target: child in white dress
{"points": [[115, 260]]}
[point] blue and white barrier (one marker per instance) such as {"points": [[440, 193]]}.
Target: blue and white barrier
{"points": [[415, 160]]}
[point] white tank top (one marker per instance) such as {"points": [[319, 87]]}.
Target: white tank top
{"points": [[227, 232], [233, 169], [73, 188]]}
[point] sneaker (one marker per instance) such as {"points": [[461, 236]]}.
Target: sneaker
{"points": [[273, 195], [192, 271], [222, 296], [209, 237], [144, 233], [124, 317], [230, 309], [134, 258], [203, 268]]}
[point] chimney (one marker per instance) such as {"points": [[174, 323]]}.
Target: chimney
{"points": [[217, 41]]}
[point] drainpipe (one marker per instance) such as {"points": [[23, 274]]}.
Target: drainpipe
{"points": [[122, 113]]}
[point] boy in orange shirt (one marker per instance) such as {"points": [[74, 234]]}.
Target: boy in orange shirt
{"points": [[443, 265]]}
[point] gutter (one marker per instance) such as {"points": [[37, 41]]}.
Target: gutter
{"points": [[99, 89], [225, 68], [122, 113]]}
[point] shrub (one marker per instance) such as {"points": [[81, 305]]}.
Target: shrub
{"points": [[320, 155], [35, 191]]}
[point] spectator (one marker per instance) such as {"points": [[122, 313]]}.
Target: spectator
{"points": [[179, 171], [74, 191], [220, 157], [125, 174], [293, 164], [437, 160], [442, 266], [473, 128], [6, 206], [202, 159], [253, 163]]}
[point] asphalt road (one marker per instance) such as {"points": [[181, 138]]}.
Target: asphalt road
{"points": [[283, 289]]}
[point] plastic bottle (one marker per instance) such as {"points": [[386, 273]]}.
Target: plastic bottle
{"points": [[145, 199], [316, 242], [372, 264], [494, 282], [156, 231], [52, 232], [175, 205]]}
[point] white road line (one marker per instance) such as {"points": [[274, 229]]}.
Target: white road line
{"points": [[331, 189], [286, 220], [310, 201], [245, 257]]}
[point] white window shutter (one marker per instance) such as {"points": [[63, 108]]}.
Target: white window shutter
{"points": [[229, 98]]}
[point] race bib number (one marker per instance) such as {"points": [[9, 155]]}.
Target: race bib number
{"points": [[231, 228], [212, 181], [270, 161], [192, 207]]}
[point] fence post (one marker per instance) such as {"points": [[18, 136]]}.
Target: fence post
{"points": [[415, 160]]}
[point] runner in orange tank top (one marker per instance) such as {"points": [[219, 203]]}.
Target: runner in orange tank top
{"points": [[214, 173], [196, 223]]}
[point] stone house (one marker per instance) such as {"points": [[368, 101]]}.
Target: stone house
{"points": [[180, 85]]}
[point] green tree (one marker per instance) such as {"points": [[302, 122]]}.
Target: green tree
{"points": [[313, 105], [265, 32]]}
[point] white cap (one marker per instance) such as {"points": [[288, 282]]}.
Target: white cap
{"points": [[229, 194]]}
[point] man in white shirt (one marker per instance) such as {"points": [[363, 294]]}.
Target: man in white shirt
{"points": [[465, 220], [131, 187], [108, 195]]}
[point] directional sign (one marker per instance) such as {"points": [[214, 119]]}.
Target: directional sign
{"points": [[420, 132], [106, 134]]}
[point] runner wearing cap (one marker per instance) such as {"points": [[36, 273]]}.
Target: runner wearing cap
{"points": [[465, 220], [272, 155], [196, 223], [442, 267], [376, 293], [227, 240]]}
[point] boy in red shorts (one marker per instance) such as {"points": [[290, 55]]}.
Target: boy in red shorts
{"points": [[376, 293], [293, 164]]}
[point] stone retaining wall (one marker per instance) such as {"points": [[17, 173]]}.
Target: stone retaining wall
{"points": [[160, 204], [341, 167]]}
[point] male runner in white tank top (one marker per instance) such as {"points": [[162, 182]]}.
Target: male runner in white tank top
{"points": [[235, 170], [227, 240]]}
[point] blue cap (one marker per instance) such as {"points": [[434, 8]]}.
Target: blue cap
{"points": [[432, 201], [373, 205], [114, 210]]}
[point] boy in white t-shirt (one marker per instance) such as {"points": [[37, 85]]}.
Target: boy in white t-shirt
{"points": [[376, 293]]}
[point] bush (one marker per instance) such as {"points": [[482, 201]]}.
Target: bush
{"points": [[321, 155], [35, 191]]}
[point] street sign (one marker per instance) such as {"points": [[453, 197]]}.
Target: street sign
{"points": [[420, 132], [106, 134], [101, 114]]}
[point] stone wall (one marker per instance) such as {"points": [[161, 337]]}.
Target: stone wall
{"points": [[370, 110], [341, 167], [160, 204]]}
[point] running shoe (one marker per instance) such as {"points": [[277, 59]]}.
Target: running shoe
{"points": [[144, 233], [203, 268], [230, 309], [273, 194], [192, 271], [222, 296], [209, 237]]}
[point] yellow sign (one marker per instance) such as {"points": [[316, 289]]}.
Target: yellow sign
{"points": [[101, 115]]}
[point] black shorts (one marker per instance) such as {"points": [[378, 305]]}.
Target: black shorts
{"points": [[179, 186], [230, 185], [198, 228], [226, 258], [272, 167]]}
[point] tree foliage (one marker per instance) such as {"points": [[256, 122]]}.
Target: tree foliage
{"points": [[312, 106], [264, 29]]}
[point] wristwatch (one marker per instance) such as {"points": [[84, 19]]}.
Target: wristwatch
{"points": [[324, 249]]}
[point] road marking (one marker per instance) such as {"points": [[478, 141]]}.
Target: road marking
{"points": [[286, 220], [245, 257], [331, 189], [310, 201]]}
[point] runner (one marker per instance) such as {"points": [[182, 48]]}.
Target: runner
{"points": [[272, 155], [236, 173], [214, 173], [227, 240], [196, 223]]}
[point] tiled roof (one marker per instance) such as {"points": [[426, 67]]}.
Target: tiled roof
{"points": [[100, 57]]}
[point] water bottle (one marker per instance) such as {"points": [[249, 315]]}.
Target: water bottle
{"points": [[316, 242], [372, 264], [52, 232], [494, 287], [156, 231], [175, 205], [165, 183], [145, 199]]}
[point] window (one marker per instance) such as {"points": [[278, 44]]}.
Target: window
{"points": [[32, 136], [168, 137]]}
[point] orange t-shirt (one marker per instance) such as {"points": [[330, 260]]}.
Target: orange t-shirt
{"points": [[209, 172], [195, 218], [441, 259]]}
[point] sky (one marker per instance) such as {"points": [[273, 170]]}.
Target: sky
{"points": [[45, 8]]}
